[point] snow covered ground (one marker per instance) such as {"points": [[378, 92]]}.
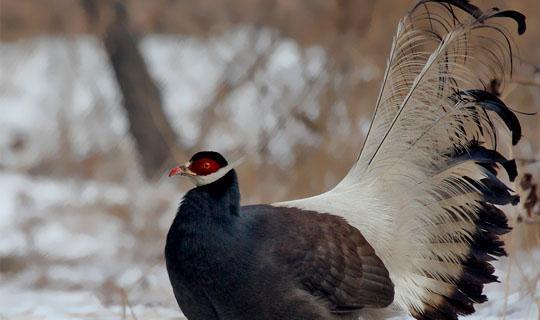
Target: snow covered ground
{"points": [[513, 298], [81, 230]]}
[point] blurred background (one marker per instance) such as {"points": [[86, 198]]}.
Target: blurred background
{"points": [[99, 98]]}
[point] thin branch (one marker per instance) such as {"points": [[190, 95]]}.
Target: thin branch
{"points": [[209, 115]]}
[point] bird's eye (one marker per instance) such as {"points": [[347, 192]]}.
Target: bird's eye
{"points": [[204, 167]]}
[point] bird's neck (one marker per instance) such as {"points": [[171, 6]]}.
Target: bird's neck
{"points": [[202, 228], [219, 199]]}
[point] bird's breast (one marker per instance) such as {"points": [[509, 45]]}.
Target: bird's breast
{"points": [[198, 250]]}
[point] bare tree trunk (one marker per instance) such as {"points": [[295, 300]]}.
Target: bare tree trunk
{"points": [[155, 139]]}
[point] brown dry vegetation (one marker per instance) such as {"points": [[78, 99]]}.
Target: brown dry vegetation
{"points": [[354, 33]]}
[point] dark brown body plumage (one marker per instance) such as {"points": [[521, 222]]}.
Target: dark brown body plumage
{"points": [[264, 262]]}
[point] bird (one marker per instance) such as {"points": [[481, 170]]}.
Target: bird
{"points": [[413, 226]]}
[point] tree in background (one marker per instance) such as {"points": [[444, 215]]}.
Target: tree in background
{"points": [[154, 137]]}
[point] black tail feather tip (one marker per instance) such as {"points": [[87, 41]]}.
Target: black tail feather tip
{"points": [[486, 245]]}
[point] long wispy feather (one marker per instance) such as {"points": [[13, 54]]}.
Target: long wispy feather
{"points": [[425, 187]]}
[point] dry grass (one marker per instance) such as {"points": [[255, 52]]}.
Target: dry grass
{"points": [[356, 36]]}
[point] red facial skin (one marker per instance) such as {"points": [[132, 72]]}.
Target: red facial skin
{"points": [[204, 166]]}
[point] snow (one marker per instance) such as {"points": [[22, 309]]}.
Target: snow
{"points": [[517, 294], [78, 245]]}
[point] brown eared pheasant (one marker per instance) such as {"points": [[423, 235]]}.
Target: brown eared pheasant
{"points": [[412, 227]]}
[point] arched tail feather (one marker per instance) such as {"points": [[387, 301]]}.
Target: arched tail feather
{"points": [[426, 188]]}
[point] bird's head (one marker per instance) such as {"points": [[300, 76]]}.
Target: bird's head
{"points": [[203, 168]]}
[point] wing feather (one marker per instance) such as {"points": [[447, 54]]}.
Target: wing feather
{"points": [[334, 262]]}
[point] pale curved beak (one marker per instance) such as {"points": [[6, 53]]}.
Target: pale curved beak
{"points": [[181, 170], [177, 170]]}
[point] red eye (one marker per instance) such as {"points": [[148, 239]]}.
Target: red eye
{"points": [[204, 166]]}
